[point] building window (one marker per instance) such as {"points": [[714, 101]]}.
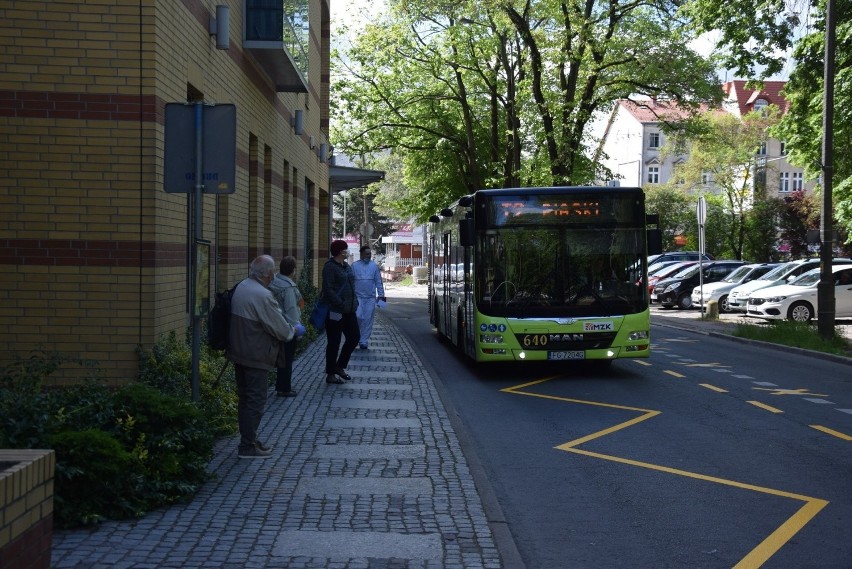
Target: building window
{"points": [[654, 140], [783, 149], [761, 151], [760, 104], [798, 182], [706, 178], [784, 182], [653, 174]]}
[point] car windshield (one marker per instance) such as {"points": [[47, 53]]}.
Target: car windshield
{"points": [[807, 279], [737, 275], [659, 267], [687, 272], [777, 272]]}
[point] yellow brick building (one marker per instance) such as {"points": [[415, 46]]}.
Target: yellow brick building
{"points": [[95, 253]]}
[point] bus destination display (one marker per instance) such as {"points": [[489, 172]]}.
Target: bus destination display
{"points": [[545, 209]]}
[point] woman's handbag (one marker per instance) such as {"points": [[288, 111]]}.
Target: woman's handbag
{"points": [[320, 312]]}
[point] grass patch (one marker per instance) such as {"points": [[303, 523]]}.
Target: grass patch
{"points": [[797, 334]]}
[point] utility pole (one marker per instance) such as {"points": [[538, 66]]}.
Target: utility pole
{"points": [[825, 288]]}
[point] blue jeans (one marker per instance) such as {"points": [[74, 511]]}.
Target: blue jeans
{"points": [[252, 387]]}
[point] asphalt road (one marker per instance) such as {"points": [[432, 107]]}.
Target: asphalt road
{"points": [[711, 453]]}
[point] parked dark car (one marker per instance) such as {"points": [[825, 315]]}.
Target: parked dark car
{"points": [[665, 273], [677, 290]]}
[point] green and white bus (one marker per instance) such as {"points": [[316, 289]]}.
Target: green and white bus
{"points": [[543, 274]]}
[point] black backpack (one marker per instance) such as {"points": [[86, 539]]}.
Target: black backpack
{"points": [[219, 320]]}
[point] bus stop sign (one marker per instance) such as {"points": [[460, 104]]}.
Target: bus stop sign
{"points": [[218, 144]]}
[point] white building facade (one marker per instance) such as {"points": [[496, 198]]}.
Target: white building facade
{"points": [[633, 139]]}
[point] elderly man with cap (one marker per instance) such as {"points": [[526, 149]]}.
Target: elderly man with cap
{"points": [[338, 291]]}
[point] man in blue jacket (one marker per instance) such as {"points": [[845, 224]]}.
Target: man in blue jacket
{"points": [[256, 332]]}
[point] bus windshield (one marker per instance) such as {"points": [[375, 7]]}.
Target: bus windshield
{"points": [[560, 271]]}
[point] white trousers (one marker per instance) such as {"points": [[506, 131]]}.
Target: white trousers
{"points": [[365, 313]]}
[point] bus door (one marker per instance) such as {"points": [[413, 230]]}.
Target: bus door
{"points": [[444, 321]]}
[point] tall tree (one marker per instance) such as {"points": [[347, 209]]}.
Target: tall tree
{"points": [[723, 155], [349, 205], [801, 126], [755, 40], [502, 93]]}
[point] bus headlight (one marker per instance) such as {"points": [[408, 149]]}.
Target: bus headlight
{"points": [[491, 338], [638, 335]]}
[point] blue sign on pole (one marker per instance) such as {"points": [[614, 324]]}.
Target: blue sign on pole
{"points": [[219, 148]]}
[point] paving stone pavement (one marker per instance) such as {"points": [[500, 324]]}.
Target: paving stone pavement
{"points": [[367, 475]]}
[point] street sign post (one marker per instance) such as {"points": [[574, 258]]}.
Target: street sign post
{"points": [[701, 215]]}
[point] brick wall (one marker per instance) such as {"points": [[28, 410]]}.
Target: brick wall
{"points": [[93, 252], [26, 508]]}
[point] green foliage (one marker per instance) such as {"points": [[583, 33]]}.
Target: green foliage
{"points": [[752, 36], [675, 208], [470, 95], [120, 452], [169, 438], [94, 479], [167, 366], [310, 293], [801, 126], [798, 334], [724, 149], [354, 211], [761, 231]]}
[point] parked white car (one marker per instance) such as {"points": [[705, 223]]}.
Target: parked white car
{"points": [[798, 299], [718, 291], [782, 274]]}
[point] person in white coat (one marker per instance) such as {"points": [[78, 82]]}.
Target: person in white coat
{"points": [[368, 289]]}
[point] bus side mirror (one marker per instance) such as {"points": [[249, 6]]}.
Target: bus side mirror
{"points": [[466, 232], [655, 241]]}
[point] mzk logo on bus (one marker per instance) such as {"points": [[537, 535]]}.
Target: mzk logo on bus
{"points": [[598, 327]]}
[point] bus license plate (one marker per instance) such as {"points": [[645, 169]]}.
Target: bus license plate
{"points": [[567, 355]]}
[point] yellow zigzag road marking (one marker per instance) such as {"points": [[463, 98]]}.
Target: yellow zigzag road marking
{"points": [[757, 556]]}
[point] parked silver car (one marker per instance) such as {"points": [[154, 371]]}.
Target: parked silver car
{"points": [[718, 291]]}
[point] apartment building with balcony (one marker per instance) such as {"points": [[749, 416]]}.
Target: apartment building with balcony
{"points": [[633, 139], [98, 237]]}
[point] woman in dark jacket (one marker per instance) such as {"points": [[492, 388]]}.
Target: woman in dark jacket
{"points": [[338, 290]]}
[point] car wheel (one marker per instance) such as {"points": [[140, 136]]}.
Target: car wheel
{"points": [[723, 304], [800, 312], [684, 302]]}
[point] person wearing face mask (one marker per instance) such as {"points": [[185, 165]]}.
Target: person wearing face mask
{"points": [[370, 291], [338, 291]]}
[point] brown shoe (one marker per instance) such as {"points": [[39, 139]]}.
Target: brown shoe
{"points": [[331, 378]]}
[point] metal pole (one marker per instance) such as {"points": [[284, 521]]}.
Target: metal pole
{"points": [[825, 288], [196, 317], [366, 234]]}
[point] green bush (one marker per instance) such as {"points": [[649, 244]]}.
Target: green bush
{"points": [[94, 478], [167, 366], [120, 452]]}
